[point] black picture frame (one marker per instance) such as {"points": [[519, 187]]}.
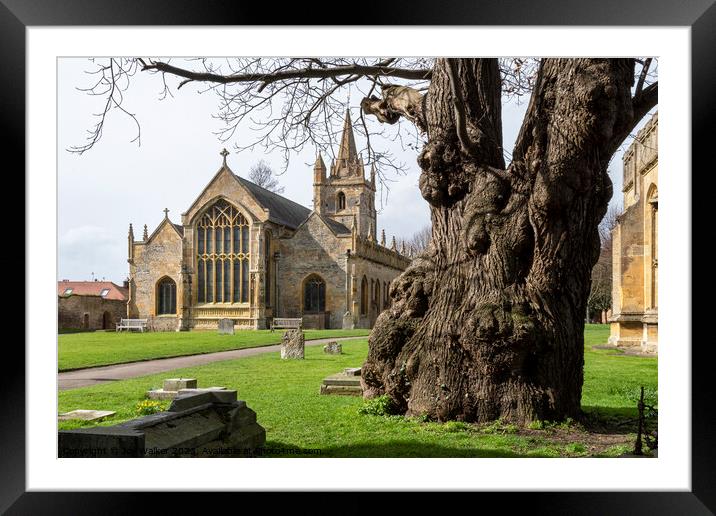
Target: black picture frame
{"points": [[700, 15]]}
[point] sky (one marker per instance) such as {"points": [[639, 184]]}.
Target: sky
{"points": [[118, 182]]}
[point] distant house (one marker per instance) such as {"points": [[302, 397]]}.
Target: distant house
{"points": [[90, 305]]}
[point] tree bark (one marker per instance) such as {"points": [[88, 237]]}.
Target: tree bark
{"points": [[488, 322]]}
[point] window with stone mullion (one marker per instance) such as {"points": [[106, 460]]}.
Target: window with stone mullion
{"points": [[222, 255]]}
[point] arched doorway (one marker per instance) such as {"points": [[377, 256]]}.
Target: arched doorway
{"points": [[106, 321]]}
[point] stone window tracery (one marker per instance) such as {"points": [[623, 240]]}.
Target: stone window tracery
{"points": [[222, 253]]}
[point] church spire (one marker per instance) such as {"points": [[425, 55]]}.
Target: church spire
{"points": [[347, 152]]}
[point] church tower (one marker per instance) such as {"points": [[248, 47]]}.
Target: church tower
{"points": [[346, 193]]}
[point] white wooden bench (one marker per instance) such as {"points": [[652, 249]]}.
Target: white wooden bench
{"points": [[132, 324], [283, 323]]}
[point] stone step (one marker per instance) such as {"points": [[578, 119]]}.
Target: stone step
{"points": [[342, 380], [342, 390]]}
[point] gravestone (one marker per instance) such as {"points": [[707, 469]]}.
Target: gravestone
{"points": [[197, 424], [348, 323], [292, 345], [226, 326], [345, 383], [86, 415], [333, 348], [173, 387]]}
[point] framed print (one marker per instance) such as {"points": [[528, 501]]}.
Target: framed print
{"points": [[269, 269]]}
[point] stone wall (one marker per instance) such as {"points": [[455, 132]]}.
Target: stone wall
{"points": [[313, 249], [71, 312], [634, 317], [153, 260], [378, 279]]}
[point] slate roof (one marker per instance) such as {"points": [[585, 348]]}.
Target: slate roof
{"points": [[92, 288], [336, 226], [179, 228], [281, 210]]}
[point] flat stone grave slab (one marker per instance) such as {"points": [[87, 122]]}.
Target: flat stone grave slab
{"points": [[86, 415], [343, 383], [175, 386]]}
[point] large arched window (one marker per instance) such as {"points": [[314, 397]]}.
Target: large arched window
{"points": [[341, 201], [222, 243], [314, 294], [364, 296], [166, 297]]}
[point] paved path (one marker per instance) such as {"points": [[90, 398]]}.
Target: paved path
{"points": [[96, 375]]}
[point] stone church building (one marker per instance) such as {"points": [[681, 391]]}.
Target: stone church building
{"points": [[245, 253], [635, 286]]}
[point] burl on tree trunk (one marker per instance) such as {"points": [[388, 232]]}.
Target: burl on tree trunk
{"points": [[488, 322]]}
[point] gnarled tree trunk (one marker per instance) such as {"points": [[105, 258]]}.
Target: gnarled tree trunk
{"points": [[488, 322]]}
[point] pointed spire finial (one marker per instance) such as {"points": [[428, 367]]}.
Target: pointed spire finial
{"points": [[224, 153], [131, 230], [402, 247], [393, 245], [146, 234], [382, 237]]}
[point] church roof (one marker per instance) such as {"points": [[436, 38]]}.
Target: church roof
{"points": [[179, 228], [281, 210], [336, 226]]}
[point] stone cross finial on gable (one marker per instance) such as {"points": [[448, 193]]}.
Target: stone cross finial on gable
{"points": [[166, 213], [224, 153]]}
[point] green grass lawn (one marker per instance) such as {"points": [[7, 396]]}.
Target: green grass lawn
{"points": [[88, 349], [284, 394]]}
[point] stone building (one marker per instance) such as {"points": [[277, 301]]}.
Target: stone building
{"points": [[248, 254], [635, 247], [90, 305]]}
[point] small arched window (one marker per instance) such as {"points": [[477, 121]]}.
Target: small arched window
{"points": [[314, 294], [166, 297], [364, 296], [341, 201]]}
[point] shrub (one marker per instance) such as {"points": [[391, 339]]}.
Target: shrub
{"points": [[378, 406]]}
